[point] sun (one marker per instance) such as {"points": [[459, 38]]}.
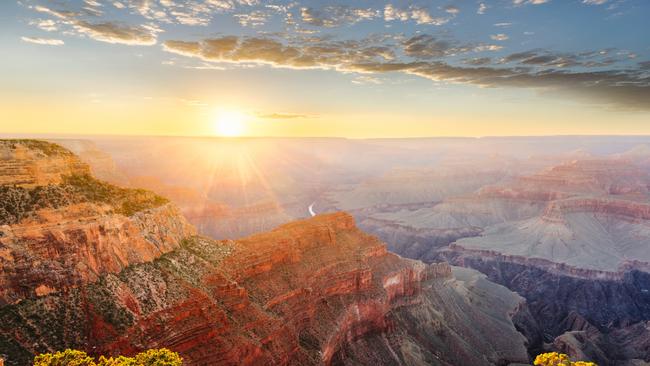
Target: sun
{"points": [[230, 123]]}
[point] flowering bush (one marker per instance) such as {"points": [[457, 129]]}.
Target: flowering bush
{"points": [[558, 359], [152, 357]]}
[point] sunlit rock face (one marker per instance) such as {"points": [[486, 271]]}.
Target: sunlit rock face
{"points": [[56, 239], [30, 163], [109, 270], [310, 292]]}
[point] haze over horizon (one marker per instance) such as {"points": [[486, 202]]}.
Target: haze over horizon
{"points": [[314, 68]]}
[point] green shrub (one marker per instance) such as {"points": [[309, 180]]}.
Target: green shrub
{"points": [[125, 201], [18, 203]]}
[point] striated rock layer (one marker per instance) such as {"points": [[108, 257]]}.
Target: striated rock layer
{"points": [[30, 163], [109, 270], [63, 228], [588, 314], [311, 292], [74, 245]]}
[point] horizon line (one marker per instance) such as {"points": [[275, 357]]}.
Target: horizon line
{"points": [[90, 136]]}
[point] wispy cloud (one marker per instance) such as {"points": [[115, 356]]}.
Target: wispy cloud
{"points": [[43, 41], [253, 19], [499, 37], [107, 31], [336, 15], [533, 2], [110, 32], [418, 14]]}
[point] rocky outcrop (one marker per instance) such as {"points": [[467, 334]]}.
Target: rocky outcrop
{"points": [[554, 292], [311, 292], [77, 244], [623, 209], [418, 243], [67, 229], [31, 163], [601, 176], [584, 313], [109, 270]]}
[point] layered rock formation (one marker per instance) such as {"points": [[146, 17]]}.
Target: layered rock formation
{"points": [[67, 229], [30, 163], [109, 271], [76, 244], [310, 292], [572, 239]]}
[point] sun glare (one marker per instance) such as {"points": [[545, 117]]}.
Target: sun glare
{"points": [[230, 124]]}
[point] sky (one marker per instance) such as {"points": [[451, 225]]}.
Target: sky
{"points": [[355, 69]]}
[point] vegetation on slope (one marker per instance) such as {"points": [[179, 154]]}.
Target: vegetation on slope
{"points": [[47, 148], [152, 357], [558, 359], [18, 203], [62, 320]]}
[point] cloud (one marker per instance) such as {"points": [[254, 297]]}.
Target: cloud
{"points": [[482, 8], [533, 2], [366, 79], [594, 2], [186, 12], [542, 58], [47, 25], [43, 41], [336, 15], [452, 9], [629, 88], [110, 32], [312, 53], [253, 19], [425, 46], [60, 14], [499, 37], [478, 61], [617, 89], [420, 15]]}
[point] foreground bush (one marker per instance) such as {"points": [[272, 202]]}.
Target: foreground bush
{"points": [[152, 357], [558, 359]]}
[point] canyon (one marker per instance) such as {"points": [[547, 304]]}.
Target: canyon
{"points": [[572, 239], [93, 276], [561, 221]]}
